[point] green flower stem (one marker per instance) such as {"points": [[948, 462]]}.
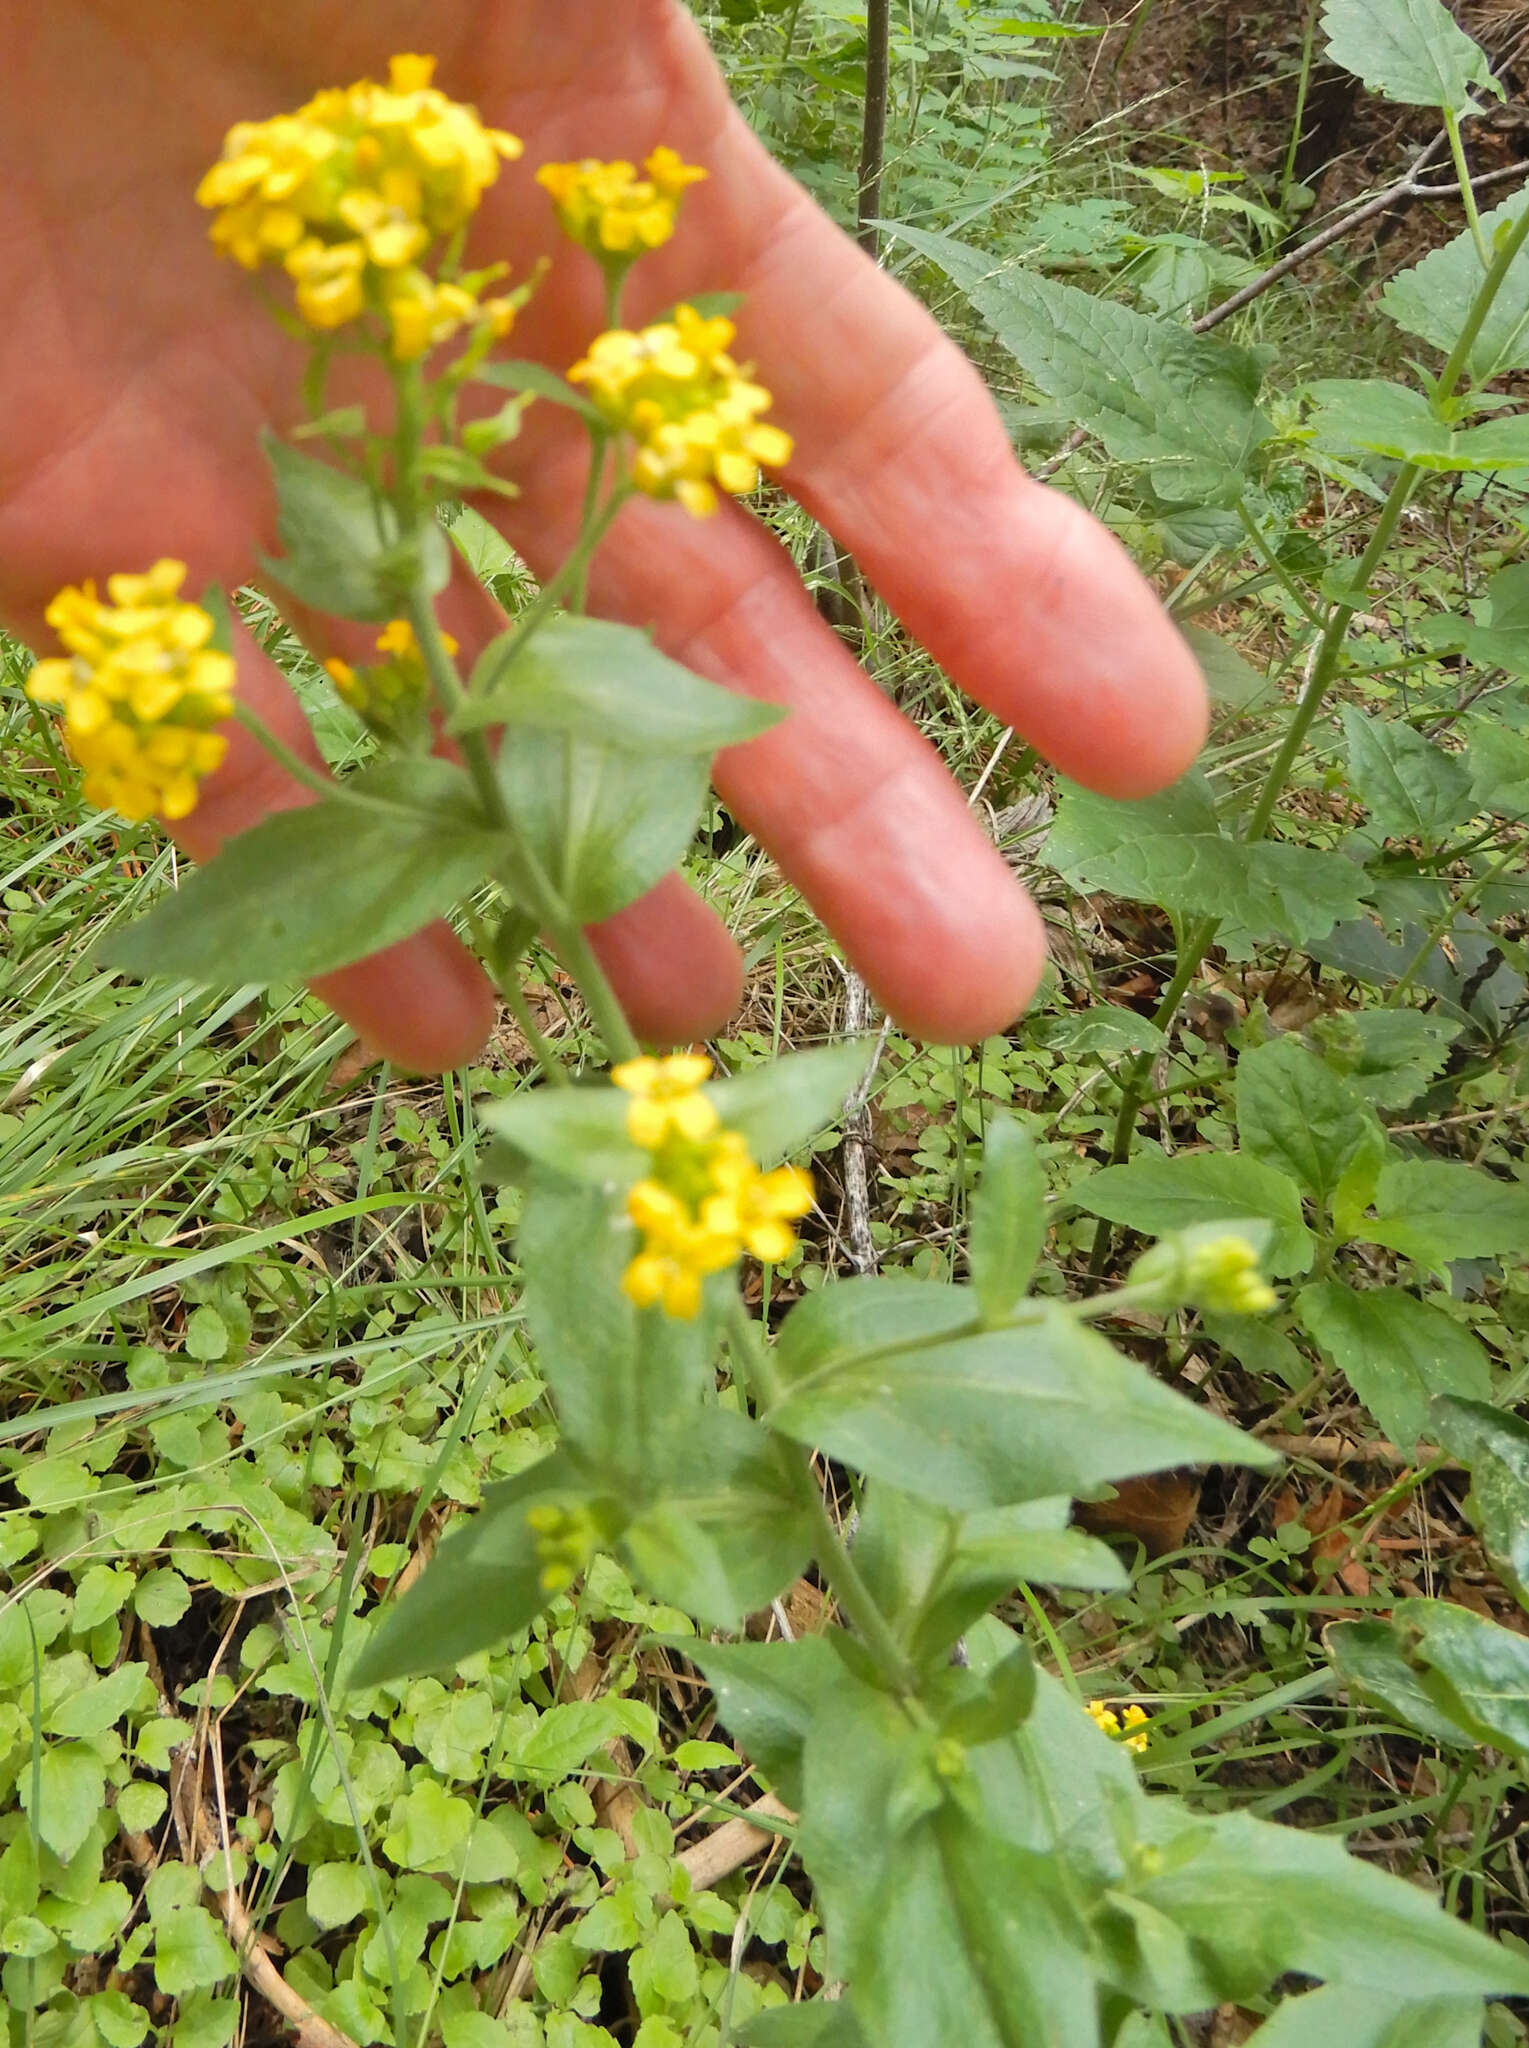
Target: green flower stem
{"points": [[570, 576], [844, 1581], [506, 980], [1511, 857], [1197, 940], [300, 770], [578, 957], [751, 1353]]}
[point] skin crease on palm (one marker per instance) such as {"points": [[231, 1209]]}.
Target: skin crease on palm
{"points": [[138, 369]]}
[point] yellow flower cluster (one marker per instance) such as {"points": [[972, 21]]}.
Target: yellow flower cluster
{"points": [[349, 193], [139, 692], [1219, 1273], [610, 211], [704, 1201], [1122, 1724], [566, 1542], [692, 411], [391, 696]]}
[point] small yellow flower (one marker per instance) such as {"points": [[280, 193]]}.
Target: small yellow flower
{"points": [[692, 411], [704, 1201], [566, 1542], [1218, 1272], [139, 692], [349, 193], [608, 210], [1120, 1725], [394, 695]]}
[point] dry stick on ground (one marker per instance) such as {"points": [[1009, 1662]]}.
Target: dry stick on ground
{"points": [[733, 1844], [1405, 189]]}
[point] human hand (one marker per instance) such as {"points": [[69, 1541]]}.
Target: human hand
{"points": [[138, 372]]}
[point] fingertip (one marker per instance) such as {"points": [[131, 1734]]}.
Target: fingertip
{"points": [[673, 964], [425, 1004], [1162, 721], [978, 977]]}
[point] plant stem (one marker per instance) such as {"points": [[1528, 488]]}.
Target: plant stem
{"points": [[1287, 176], [873, 137], [852, 1593], [1512, 857], [566, 578], [1467, 196]]}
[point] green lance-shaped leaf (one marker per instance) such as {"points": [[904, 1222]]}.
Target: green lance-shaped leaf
{"points": [[1299, 1117], [1410, 786], [1042, 1407], [538, 381], [1411, 51], [1160, 1196], [1395, 1351], [580, 1133], [1338, 2016], [768, 1695], [1371, 416], [1250, 1900], [1495, 1445], [598, 681], [1434, 298], [1008, 1218], [1181, 406], [342, 549], [482, 1586], [313, 889], [1368, 1658], [605, 825], [1474, 1669], [727, 1530]]}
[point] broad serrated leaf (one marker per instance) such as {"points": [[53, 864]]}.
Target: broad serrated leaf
{"points": [[343, 550], [1390, 1056], [1499, 764], [1497, 633], [1159, 1196], [313, 889], [1434, 298], [1410, 51], [1008, 1224], [1340, 2017], [1435, 1210], [1374, 417], [605, 825], [1395, 1351], [595, 680], [1294, 1113], [1368, 1658], [71, 1783], [1411, 788], [1042, 1407], [1495, 1445], [1181, 406]]}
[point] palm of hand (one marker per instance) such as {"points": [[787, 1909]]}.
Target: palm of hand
{"points": [[138, 372]]}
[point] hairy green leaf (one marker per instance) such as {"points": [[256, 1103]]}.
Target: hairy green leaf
{"points": [[1435, 1210], [1008, 1224], [598, 681], [313, 889], [1295, 1114], [343, 550], [1433, 299], [768, 1695], [1395, 1351], [1499, 763], [1495, 1445], [1368, 1658], [1395, 420], [1043, 1407], [1475, 1669], [1338, 2016], [1412, 51], [1158, 1196], [1411, 788]]}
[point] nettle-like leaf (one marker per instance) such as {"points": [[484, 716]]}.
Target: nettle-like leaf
{"points": [[1368, 1658], [1368, 415], [1499, 764], [1410, 786], [1170, 850], [343, 552], [1298, 1116], [1395, 1351], [1434, 297], [1042, 1407], [1473, 1668], [1389, 1056], [598, 681], [312, 889], [1158, 1196], [1435, 1210], [1495, 1445], [1411, 51], [1497, 634], [1181, 406]]}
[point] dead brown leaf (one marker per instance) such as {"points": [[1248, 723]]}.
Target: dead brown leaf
{"points": [[1156, 1510]]}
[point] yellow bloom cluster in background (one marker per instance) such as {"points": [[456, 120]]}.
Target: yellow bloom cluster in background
{"points": [[1215, 1271], [704, 1201], [139, 691], [610, 211], [1122, 1724], [392, 696], [693, 413], [349, 193]]}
